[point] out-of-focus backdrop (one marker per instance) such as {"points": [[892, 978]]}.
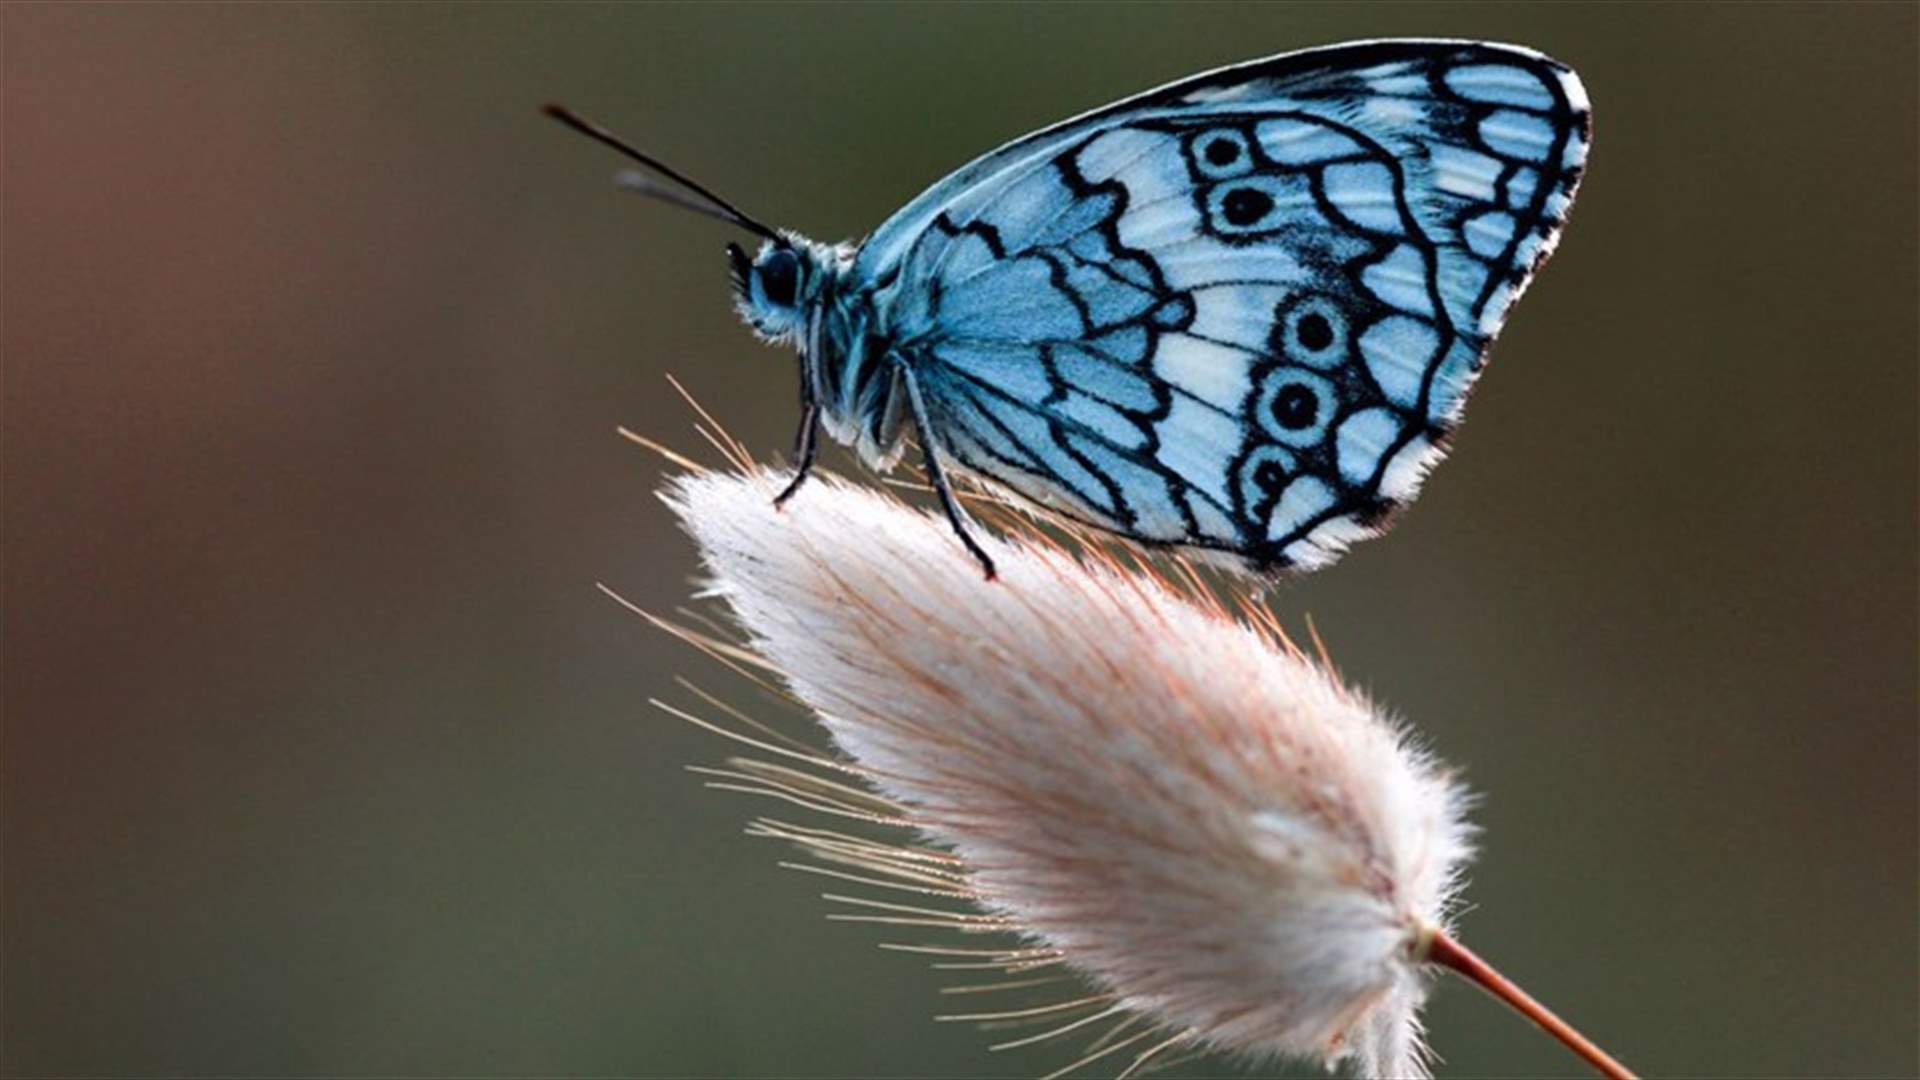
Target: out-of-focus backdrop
{"points": [[324, 756]]}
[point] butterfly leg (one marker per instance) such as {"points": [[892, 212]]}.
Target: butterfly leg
{"points": [[923, 431], [806, 446], [806, 443]]}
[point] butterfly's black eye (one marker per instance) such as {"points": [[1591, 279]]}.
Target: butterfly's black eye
{"points": [[780, 277]]}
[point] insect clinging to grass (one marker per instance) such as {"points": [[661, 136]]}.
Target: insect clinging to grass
{"points": [[1240, 313]]}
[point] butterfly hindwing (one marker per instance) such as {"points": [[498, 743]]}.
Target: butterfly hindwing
{"points": [[1243, 312]]}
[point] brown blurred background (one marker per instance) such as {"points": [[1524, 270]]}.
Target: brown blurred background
{"points": [[323, 756]]}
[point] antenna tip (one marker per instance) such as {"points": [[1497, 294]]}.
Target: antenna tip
{"points": [[557, 111]]}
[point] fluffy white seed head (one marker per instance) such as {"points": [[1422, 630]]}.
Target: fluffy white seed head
{"points": [[1173, 801]]}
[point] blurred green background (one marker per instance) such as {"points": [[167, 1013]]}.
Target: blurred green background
{"points": [[323, 755]]}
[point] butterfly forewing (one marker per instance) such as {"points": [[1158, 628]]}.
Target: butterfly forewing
{"points": [[1242, 312]]}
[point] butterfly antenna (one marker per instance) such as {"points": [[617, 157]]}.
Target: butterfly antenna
{"points": [[721, 208], [641, 184]]}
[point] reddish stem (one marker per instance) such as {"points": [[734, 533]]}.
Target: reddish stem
{"points": [[1449, 953]]}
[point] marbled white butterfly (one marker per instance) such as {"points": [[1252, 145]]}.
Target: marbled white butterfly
{"points": [[1240, 313]]}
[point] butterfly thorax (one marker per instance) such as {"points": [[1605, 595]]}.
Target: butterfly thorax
{"points": [[863, 402], [803, 293]]}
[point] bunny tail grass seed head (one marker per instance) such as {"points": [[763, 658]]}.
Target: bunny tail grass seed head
{"points": [[1176, 804]]}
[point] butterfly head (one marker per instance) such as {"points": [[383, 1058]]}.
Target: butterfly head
{"points": [[773, 289]]}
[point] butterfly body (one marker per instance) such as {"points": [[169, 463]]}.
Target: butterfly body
{"points": [[1239, 314]]}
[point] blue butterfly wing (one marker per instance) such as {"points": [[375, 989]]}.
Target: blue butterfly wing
{"points": [[1244, 311]]}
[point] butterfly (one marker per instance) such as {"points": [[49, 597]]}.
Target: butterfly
{"points": [[1238, 314]]}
